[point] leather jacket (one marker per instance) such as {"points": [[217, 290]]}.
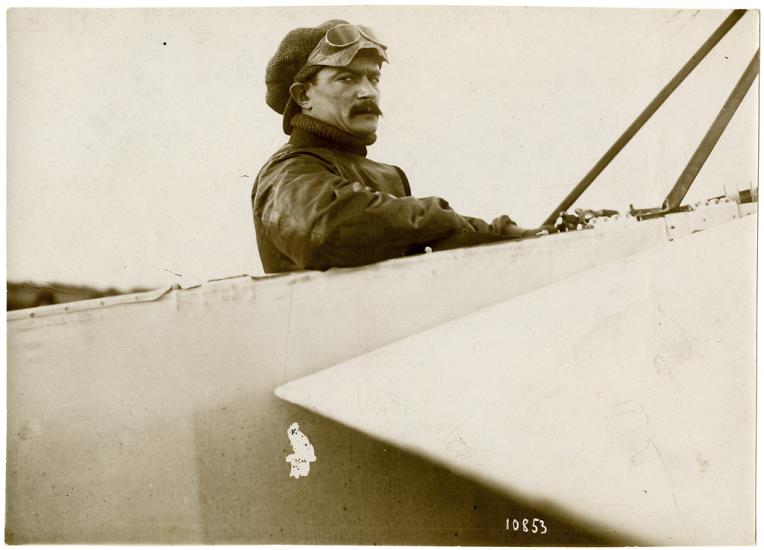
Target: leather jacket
{"points": [[319, 203]]}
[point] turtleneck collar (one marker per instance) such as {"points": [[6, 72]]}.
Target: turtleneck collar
{"points": [[310, 131]]}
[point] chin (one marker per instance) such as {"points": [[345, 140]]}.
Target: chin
{"points": [[363, 130]]}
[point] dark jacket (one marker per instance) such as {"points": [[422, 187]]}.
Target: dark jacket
{"points": [[318, 203]]}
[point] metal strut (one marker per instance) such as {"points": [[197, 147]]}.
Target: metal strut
{"points": [[690, 172], [645, 115]]}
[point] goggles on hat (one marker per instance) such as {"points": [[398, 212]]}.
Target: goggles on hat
{"points": [[341, 44], [342, 36]]}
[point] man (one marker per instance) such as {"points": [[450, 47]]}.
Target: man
{"points": [[319, 202]]}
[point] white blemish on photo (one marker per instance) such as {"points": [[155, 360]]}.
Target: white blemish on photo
{"points": [[302, 452]]}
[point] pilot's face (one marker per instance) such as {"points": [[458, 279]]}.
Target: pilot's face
{"points": [[347, 97]]}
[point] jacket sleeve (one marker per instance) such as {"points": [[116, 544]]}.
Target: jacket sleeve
{"points": [[320, 219]]}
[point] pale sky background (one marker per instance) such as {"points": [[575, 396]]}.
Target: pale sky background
{"points": [[130, 161]]}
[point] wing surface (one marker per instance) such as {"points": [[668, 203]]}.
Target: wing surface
{"points": [[624, 394]]}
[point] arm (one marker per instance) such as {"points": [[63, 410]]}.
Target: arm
{"points": [[501, 229], [320, 219]]}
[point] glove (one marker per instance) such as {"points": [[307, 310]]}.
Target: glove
{"points": [[503, 225], [506, 227], [539, 231]]}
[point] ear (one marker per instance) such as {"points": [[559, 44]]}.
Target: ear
{"points": [[298, 91]]}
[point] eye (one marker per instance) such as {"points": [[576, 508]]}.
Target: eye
{"points": [[374, 80], [346, 78]]}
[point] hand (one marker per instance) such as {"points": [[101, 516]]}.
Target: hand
{"points": [[506, 227], [503, 225], [539, 231]]}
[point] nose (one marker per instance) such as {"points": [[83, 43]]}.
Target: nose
{"points": [[366, 89]]}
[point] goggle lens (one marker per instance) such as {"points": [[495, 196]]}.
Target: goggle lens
{"points": [[369, 33], [344, 35]]}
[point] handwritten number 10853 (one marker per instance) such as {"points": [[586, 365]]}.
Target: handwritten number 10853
{"points": [[526, 525]]}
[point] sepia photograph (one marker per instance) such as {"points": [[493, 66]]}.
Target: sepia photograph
{"points": [[382, 275]]}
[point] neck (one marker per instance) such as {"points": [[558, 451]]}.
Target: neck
{"points": [[317, 132]]}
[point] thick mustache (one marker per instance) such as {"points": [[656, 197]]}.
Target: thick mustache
{"points": [[366, 107]]}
